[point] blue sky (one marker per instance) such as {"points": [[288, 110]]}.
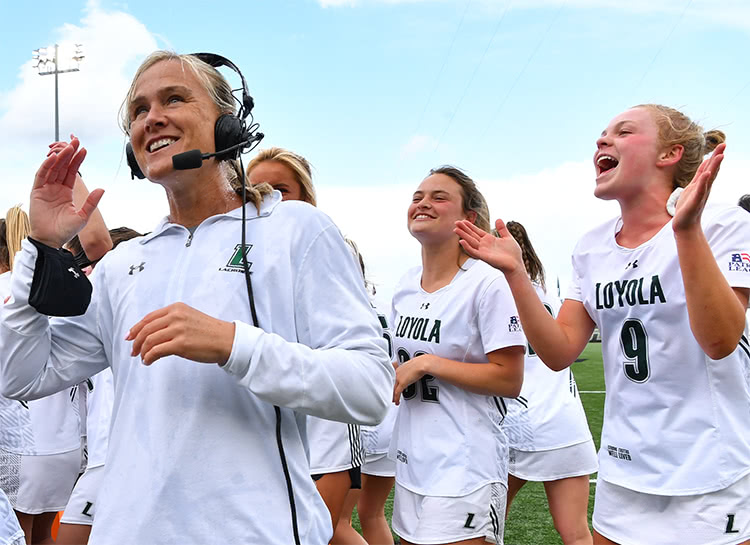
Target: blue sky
{"points": [[374, 93]]}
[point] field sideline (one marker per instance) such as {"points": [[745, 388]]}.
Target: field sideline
{"points": [[530, 522]]}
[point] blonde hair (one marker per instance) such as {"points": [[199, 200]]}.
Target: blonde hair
{"points": [[17, 228], [473, 200], [220, 92], [677, 129], [298, 165]]}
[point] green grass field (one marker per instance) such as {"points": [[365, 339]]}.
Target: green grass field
{"points": [[529, 522]]}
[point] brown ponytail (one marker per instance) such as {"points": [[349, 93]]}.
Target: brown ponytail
{"points": [[531, 261]]}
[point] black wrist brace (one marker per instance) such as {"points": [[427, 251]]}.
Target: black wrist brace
{"points": [[58, 288]]}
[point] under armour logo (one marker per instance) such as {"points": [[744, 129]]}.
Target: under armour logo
{"points": [[424, 306], [634, 264], [73, 272], [136, 268]]}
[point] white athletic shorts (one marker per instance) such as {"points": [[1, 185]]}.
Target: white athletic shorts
{"points": [[39, 484], [379, 465], [634, 518], [82, 504], [554, 464], [442, 519]]}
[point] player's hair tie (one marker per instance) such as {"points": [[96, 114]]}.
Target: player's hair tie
{"points": [[672, 201]]}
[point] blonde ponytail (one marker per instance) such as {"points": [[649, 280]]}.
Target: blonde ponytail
{"points": [[17, 228]]}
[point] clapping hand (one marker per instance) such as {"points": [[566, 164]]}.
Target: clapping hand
{"points": [[693, 199], [53, 216], [501, 252]]}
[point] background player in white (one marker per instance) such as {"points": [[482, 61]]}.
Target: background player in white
{"points": [[546, 425], [40, 440], [336, 453], [669, 296], [459, 344], [202, 453]]}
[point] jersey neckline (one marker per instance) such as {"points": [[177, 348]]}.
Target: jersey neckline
{"points": [[463, 269], [618, 227]]}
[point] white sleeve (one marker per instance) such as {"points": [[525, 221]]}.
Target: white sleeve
{"points": [[339, 369], [39, 355], [574, 290], [499, 324], [728, 235]]}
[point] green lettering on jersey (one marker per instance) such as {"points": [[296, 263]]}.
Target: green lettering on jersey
{"points": [[435, 333], [656, 291]]}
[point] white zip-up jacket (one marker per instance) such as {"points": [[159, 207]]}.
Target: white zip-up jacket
{"points": [[193, 455]]}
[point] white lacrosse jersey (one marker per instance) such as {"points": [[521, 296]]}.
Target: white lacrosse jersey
{"points": [[448, 441], [377, 439], [43, 426], [548, 413], [676, 422]]}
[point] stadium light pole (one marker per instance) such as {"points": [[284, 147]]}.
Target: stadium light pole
{"points": [[47, 64]]}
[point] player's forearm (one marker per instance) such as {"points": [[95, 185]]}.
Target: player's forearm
{"points": [[549, 337], [352, 384], [717, 318], [491, 379], [94, 237], [25, 341]]}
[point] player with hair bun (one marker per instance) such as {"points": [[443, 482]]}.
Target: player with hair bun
{"points": [[667, 284], [460, 347], [546, 425]]}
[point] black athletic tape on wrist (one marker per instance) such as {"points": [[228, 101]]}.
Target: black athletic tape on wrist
{"points": [[59, 287]]}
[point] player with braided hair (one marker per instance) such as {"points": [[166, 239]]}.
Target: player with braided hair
{"points": [[546, 425]]}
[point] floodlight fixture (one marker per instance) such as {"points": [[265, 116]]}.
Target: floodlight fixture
{"points": [[49, 64]]}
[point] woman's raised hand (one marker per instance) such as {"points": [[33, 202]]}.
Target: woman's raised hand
{"points": [[53, 216], [501, 252], [693, 199]]}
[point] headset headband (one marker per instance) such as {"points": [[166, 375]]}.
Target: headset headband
{"points": [[214, 60]]}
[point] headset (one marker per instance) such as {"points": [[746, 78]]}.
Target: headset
{"points": [[232, 136]]}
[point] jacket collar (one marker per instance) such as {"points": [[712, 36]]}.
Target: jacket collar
{"points": [[267, 206]]}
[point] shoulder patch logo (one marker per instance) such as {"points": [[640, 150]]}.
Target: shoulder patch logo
{"points": [[235, 262], [740, 262], [514, 325]]}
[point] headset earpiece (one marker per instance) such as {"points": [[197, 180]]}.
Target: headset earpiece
{"points": [[228, 131], [135, 170]]}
